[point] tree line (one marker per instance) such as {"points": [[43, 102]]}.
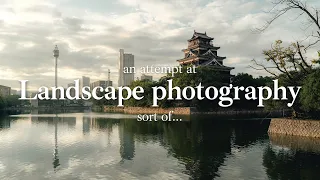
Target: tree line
{"points": [[287, 63], [12, 101]]}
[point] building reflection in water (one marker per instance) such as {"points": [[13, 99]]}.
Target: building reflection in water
{"points": [[125, 129], [106, 125], [5, 123], [126, 136], [86, 121], [56, 162], [201, 146], [69, 122], [34, 115]]}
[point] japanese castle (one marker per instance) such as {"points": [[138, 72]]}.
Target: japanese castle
{"points": [[202, 52]]}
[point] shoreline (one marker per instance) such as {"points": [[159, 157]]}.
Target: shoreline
{"points": [[294, 127], [194, 111]]}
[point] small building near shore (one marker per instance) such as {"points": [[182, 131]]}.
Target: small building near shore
{"points": [[146, 77], [5, 90], [100, 83]]}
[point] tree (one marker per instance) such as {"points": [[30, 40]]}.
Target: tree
{"points": [[207, 76], [288, 61], [245, 80], [13, 101], [291, 59], [102, 101], [310, 93], [282, 7], [147, 99], [3, 102]]}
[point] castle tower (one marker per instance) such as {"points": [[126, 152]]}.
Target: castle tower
{"points": [[202, 52]]}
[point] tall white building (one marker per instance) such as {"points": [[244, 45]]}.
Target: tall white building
{"points": [[125, 60], [84, 81]]}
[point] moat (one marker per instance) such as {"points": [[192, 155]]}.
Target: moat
{"points": [[90, 145]]}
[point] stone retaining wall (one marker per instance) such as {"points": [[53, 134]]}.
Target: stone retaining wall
{"points": [[113, 109], [148, 110], [143, 110], [308, 128], [194, 111]]}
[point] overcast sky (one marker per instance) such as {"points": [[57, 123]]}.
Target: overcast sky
{"points": [[89, 35]]}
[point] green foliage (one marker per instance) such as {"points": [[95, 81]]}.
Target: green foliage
{"points": [[207, 76], [204, 75], [317, 61], [288, 61], [11, 101], [310, 93], [3, 102], [103, 101], [147, 100], [245, 80]]}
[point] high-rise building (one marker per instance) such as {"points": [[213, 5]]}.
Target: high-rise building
{"points": [[100, 83], [72, 91], [14, 92], [146, 77], [5, 90], [125, 61], [84, 81]]}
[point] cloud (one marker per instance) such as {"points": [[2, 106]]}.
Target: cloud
{"points": [[154, 31]]}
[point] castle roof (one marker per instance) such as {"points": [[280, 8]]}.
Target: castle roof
{"points": [[200, 35]]}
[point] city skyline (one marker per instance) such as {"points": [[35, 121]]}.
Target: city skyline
{"points": [[126, 61], [89, 36]]}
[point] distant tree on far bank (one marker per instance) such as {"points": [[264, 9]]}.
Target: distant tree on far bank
{"points": [[310, 93], [245, 80], [2, 102], [12, 101]]}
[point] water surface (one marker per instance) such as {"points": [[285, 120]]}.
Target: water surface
{"points": [[116, 146]]}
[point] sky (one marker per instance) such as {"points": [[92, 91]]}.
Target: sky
{"points": [[89, 35]]}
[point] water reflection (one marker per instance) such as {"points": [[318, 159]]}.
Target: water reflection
{"points": [[86, 121], [116, 147], [126, 137], [5, 123], [301, 143], [55, 152], [285, 164]]}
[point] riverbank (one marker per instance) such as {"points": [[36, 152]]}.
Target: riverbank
{"points": [[194, 111], [146, 110], [306, 128], [46, 108]]}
